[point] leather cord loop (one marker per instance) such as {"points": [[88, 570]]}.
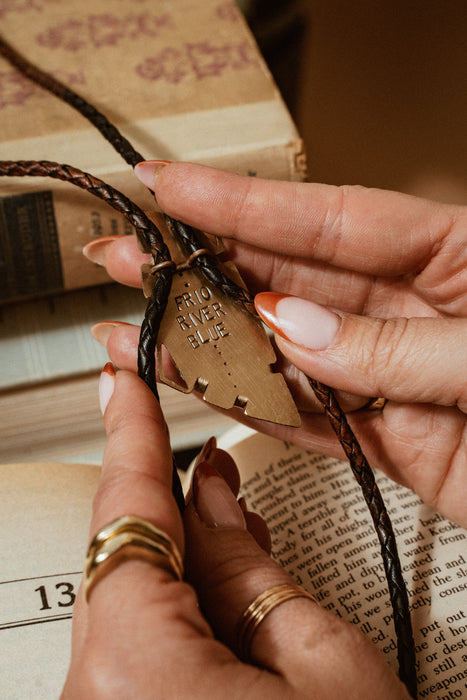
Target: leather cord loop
{"points": [[187, 237]]}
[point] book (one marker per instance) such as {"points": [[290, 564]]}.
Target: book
{"points": [[321, 532], [183, 81], [62, 421], [50, 372]]}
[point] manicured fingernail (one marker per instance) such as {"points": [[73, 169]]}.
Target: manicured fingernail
{"points": [[95, 250], [203, 456], [148, 170], [298, 320], [106, 385], [214, 501], [242, 504], [206, 451], [101, 331]]}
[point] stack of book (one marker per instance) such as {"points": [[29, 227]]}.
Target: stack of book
{"points": [[183, 81]]}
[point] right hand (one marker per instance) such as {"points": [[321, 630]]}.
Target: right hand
{"points": [[389, 274]]}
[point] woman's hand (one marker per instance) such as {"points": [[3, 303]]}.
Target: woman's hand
{"points": [[381, 281], [145, 635]]}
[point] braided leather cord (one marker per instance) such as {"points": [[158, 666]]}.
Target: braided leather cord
{"points": [[147, 353], [48, 82], [147, 232], [206, 263], [365, 478], [146, 362], [145, 228]]}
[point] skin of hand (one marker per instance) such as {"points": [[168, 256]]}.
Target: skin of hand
{"points": [[145, 635], [366, 291]]}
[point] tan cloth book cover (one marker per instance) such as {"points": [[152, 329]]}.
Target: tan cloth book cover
{"points": [[182, 80]]}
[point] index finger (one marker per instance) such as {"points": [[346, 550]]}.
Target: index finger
{"points": [[369, 230], [136, 480]]}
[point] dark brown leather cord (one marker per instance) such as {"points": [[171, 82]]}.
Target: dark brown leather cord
{"points": [[206, 263], [148, 233], [48, 82], [383, 526], [154, 312], [146, 230]]}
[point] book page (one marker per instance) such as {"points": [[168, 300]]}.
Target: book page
{"points": [[322, 533], [44, 526]]}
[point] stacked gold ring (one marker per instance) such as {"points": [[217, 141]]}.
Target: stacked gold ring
{"points": [[129, 537], [259, 608]]}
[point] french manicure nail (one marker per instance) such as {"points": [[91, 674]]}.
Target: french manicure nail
{"points": [[147, 171], [214, 501], [106, 385], [102, 330], [95, 250], [298, 320]]}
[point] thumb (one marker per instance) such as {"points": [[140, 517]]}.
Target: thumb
{"points": [[403, 359], [298, 640], [224, 560]]}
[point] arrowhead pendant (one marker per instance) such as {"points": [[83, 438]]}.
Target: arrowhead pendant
{"points": [[222, 351], [219, 348]]}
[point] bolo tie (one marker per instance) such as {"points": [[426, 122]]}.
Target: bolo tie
{"points": [[186, 285]]}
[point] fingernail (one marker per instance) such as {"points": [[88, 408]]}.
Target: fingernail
{"points": [[206, 451], [214, 501], [102, 330], [298, 320], [95, 250], [106, 385], [203, 456], [242, 504], [148, 170]]}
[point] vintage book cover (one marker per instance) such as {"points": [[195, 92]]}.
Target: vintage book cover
{"points": [[321, 532], [182, 80]]}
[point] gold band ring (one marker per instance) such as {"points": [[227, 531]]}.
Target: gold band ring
{"points": [[259, 608], [129, 537]]}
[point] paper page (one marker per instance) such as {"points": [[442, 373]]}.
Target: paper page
{"points": [[322, 533], [44, 525], [50, 338]]}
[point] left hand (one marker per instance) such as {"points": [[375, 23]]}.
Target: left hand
{"points": [[143, 634]]}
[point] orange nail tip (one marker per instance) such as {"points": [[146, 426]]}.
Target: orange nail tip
{"points": [[147, 170], [109, 369], [265, 304]]}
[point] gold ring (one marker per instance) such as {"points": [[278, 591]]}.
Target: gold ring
{"points": [[259, 608], [126, 538], [375, 404]]}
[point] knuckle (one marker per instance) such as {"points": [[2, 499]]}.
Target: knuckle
{"points": [[335, 217], [237, 565], [393, 354], [245, 204]]}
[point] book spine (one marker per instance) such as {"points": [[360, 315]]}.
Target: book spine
{"points": [[44, 226]]}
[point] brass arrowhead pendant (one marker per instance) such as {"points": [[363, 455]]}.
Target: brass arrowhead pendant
{"points": [[221, 350]]}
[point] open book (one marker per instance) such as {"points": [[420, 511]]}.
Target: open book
{"points": [[321, 532]]}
